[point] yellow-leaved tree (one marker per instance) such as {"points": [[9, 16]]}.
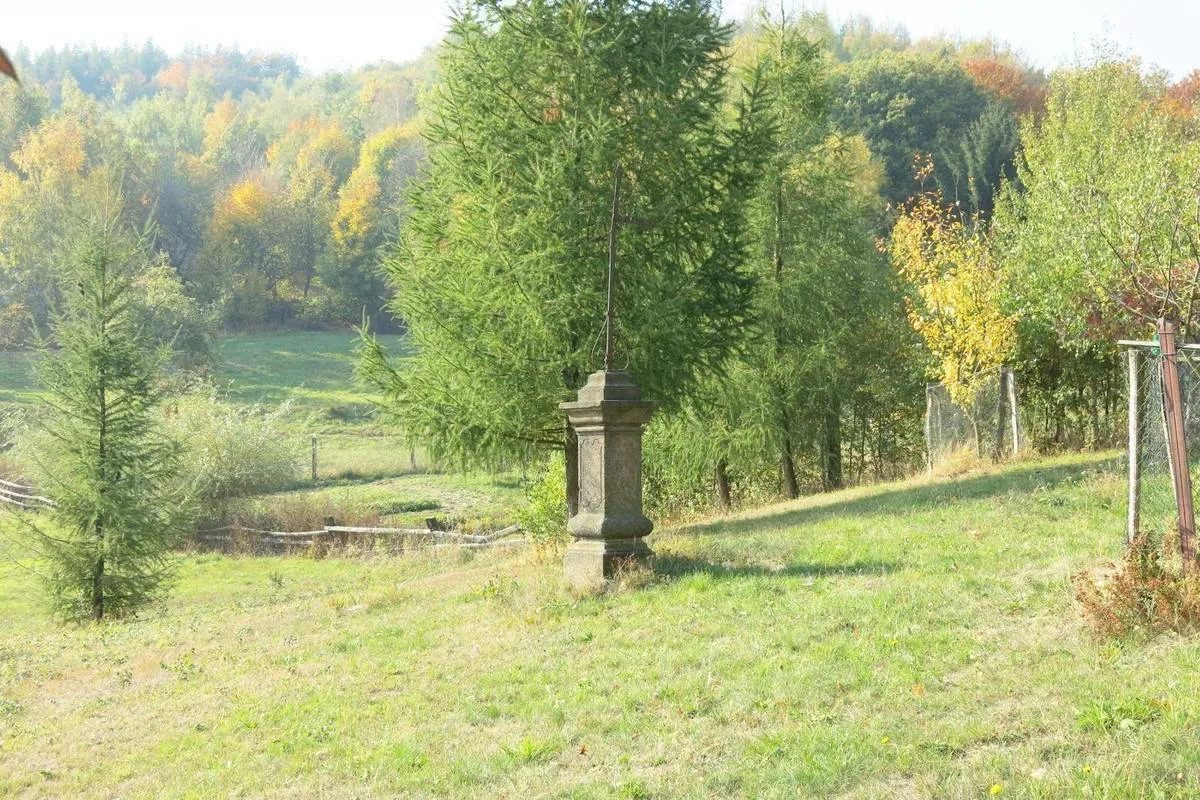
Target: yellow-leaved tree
{"points": [[956, 302]]}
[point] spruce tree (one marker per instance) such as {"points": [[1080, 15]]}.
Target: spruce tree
{"points": [[100, 454], [500, 270]]}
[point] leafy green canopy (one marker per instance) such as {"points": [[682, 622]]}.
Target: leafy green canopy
{"points": [[906, 104], [1105, 236], [500, 271], [101, 455], [827, 335]]}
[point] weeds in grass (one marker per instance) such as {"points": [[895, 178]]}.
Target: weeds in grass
{"points": [[185, 667], [633, 790], [9, 708], [633, 575], [1122, 715], [1150, 593], [531, 751], [498, 589]]}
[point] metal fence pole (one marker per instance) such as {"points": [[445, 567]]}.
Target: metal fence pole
{"points": [[1177, 444], [1135, 500], [1001, 401], [929, 428], [1012, 410]]}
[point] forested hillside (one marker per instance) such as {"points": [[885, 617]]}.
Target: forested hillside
{"points": [[926, 211], [265, 192]]}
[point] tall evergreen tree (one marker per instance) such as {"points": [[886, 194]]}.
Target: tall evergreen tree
{"points": [[101, 456], [500, 271]]}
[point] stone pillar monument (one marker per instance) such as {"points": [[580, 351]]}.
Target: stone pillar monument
{"points": [[608, 418]]}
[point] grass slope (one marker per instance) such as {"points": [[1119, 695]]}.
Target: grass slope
{"points": [[901, 641]]}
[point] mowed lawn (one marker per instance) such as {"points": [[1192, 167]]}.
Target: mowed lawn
{"points": [[314, 369], [902, 641]]}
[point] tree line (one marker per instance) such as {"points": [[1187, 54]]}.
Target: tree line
{"points": [[820, 220], [265, 192], [764, 168]]}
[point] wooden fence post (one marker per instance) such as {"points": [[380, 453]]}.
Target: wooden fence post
{"points": [[314, 458], [1176, 443], [1134, 521]]}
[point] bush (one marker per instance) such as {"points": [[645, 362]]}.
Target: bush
{"points": [[304, 511], [168, 315], [544, 514], [16, 326], [232, 451], [1150, 593]]}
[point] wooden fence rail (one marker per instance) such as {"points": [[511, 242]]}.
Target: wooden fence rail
{"points": [[403, 539], [23, 497], [398, 539]]}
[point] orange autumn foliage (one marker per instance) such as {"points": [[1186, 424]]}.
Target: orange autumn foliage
{"points": [[1007, 82]]}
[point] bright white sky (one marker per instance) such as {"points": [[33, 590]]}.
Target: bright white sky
{"points": [[346, 33]]}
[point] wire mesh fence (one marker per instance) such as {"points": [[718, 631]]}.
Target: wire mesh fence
{"points": [[988, 426], [1152, 496], [1152, 503]]}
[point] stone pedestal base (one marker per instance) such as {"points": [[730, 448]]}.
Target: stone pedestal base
{"points": [[588, 563]]}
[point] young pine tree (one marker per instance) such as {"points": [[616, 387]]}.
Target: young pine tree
{"points": [[100, 454]]}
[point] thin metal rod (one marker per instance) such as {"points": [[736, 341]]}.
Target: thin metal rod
{"points": [[1133, 520], [1152, 345], [618, 173]]}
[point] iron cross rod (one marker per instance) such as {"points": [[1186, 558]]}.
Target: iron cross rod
{"points": [[618, 173]]}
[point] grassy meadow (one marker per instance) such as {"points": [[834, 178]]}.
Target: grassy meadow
{"points": [[908, 640]]}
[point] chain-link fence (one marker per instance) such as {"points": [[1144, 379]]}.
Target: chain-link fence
{"points": [[989, 426], [1152, 505]]}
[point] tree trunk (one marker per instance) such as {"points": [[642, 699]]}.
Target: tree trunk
{"points": [[722, 477], [571, 445], [98, 590], [102, 464], [831, 460], [789, 470]]}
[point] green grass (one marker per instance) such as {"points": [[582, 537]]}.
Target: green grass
{"points": [[914, 640], [313, 369]]}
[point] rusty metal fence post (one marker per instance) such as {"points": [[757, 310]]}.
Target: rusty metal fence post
{"points": [[1181, 477]]}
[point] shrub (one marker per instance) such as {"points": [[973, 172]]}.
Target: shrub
{"points": [[232, 451], [16, 325], [544, 514], [168, 315], [1150, 593]]}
